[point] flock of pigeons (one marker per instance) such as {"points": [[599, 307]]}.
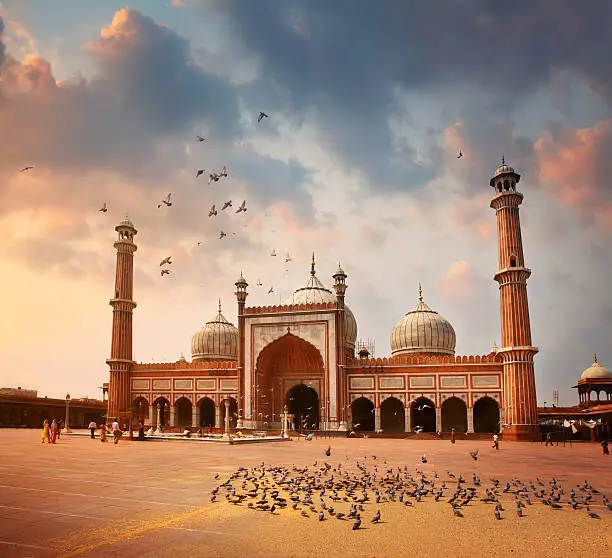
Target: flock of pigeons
{"points": [[344, 493]]}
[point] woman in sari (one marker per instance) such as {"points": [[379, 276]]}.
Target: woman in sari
{"points": [[103, 432], [54, 429], [45, 432]]}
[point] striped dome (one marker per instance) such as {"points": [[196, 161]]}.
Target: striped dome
{"points": [[217, 340], [423, 331]]}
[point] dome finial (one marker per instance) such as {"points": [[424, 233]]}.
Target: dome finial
{"points": [[503, 160], [595, 358], [312, 266], [420, 293], [220, 303]]}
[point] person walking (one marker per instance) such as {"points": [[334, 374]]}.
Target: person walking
{"points": [[103, 432], [548, 439], [53, 431], [45, 432], [116, 432], [452, 436], [496, 441], [92, 428], [604, 447]]}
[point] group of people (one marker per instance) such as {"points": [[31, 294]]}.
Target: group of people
{"points": [[51, 431]]}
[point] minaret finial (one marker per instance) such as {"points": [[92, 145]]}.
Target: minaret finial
{"points": [[219, 305], [312, 266], [595, 358], [503, 160], [420, 293]]}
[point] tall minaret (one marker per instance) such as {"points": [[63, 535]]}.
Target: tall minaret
{"points": [[519, 391], [340, 288], [120, 361], [241, 295]]}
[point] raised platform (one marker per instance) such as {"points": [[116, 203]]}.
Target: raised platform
{"points": [[220, 439]]}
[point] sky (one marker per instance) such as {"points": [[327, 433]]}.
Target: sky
{"points": [[368, 106]]}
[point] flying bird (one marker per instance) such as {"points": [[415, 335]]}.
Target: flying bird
{"points": [[213, 177], [273, 252], [222, 234], [460, 154], [25, 169], [201, 242], [223, 172], [226, 205], [262, 115], [423, 407], [271, 290], [212, 211], [288, 258], [200, 138], [259, 283], [165, 272], [166, 201], [103, 209], [200, 172], [242, 207], [165, 261]]}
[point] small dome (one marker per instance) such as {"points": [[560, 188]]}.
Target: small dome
{"points": [[596, 372], [503, 169], [126, 223], [423, 331], [217, 340], [316, 293]]}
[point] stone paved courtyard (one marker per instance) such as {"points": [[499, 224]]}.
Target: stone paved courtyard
{"points": [[84, 498]]}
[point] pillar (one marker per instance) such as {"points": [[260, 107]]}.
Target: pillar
{"points": [[158, 429], [218, 415], [407, 419], [438, 419], [376, 419], [151, 415], [226, 402], [470, 420], [195, 416], [172, 415], [66, 429]]}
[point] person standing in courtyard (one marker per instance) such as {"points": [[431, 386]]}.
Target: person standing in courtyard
{"points": [[604, 447], [116, 432], [45, 432], [103, 432], [496, 441], [452, 436], [53, 431], [548, 439], [92, 428]]}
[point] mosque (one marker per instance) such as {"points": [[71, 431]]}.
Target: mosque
{"points": [[302, 354]]}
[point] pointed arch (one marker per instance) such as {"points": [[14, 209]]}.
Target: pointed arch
{"points": [[362, 412], [423, 414], [392, 416], [486, 415], [454, 415]]}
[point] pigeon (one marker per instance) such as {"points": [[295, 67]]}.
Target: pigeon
{"points": [[271, 290], [497, 513], [288, 258], [321, 516], [273, 253], [200, 242], [212, 212], [222, 234], [200, 172], [460, 154], [25, 169], [200, 138], [223, 173], [424, 458], [226, 205], [166, 201], [357, 524], [592, 515], [259, 283], [165, 272], [242, 207], [165, 261], [376, 517], [474, 454], [262, 115], [103, 209], [328, 451], [213, 177]]}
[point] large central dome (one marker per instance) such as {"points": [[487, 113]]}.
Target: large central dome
{"points": [[423, 331], [316, 293]]}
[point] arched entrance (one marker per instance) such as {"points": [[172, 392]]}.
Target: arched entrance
{"points": [[207, 413], [392, 417], [303, 404], [486, 415], [233, 413], [284, 364], [183, 412], [140, 410], [423, 414], [362, 412], [164, 411], [454, 415]]}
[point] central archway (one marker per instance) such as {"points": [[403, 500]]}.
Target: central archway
{"points": [[282, 365], [183, 412], [392, 416], [303, 404], [454, 415], [362, 412], [423, 414]]}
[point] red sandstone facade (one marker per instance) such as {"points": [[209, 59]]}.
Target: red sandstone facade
{"points": [[302, 354]]}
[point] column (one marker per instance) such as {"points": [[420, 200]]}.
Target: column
{"points": [[151, 415], [407, 419], [376, 419], [226, 401], [172, 412], [195, 416], [470, 420], [218, 416], [438, 419], [157, 430]]}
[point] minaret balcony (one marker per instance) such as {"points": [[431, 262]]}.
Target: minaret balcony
{"points": [[512, 275], [122, 303]]}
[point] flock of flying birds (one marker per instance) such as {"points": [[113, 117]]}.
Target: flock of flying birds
{"points": [[213, 177], [345, 493]]}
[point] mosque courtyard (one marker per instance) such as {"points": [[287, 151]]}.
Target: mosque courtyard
{"points": [[83, 498]]}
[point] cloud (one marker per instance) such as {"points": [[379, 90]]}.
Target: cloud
{"points": [[575, 166]]}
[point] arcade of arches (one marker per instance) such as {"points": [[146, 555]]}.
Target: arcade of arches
{"points": [[204, 413], [289, 372], [422, 414]]}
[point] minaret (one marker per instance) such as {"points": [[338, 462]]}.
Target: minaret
{"points": [[120, 361], [517, 352], [340, 288], [241, 295]]}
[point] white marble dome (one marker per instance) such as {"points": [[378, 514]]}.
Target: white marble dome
{"points": [[596, 372], [423, 331], [315, 292], [217, 340]]}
